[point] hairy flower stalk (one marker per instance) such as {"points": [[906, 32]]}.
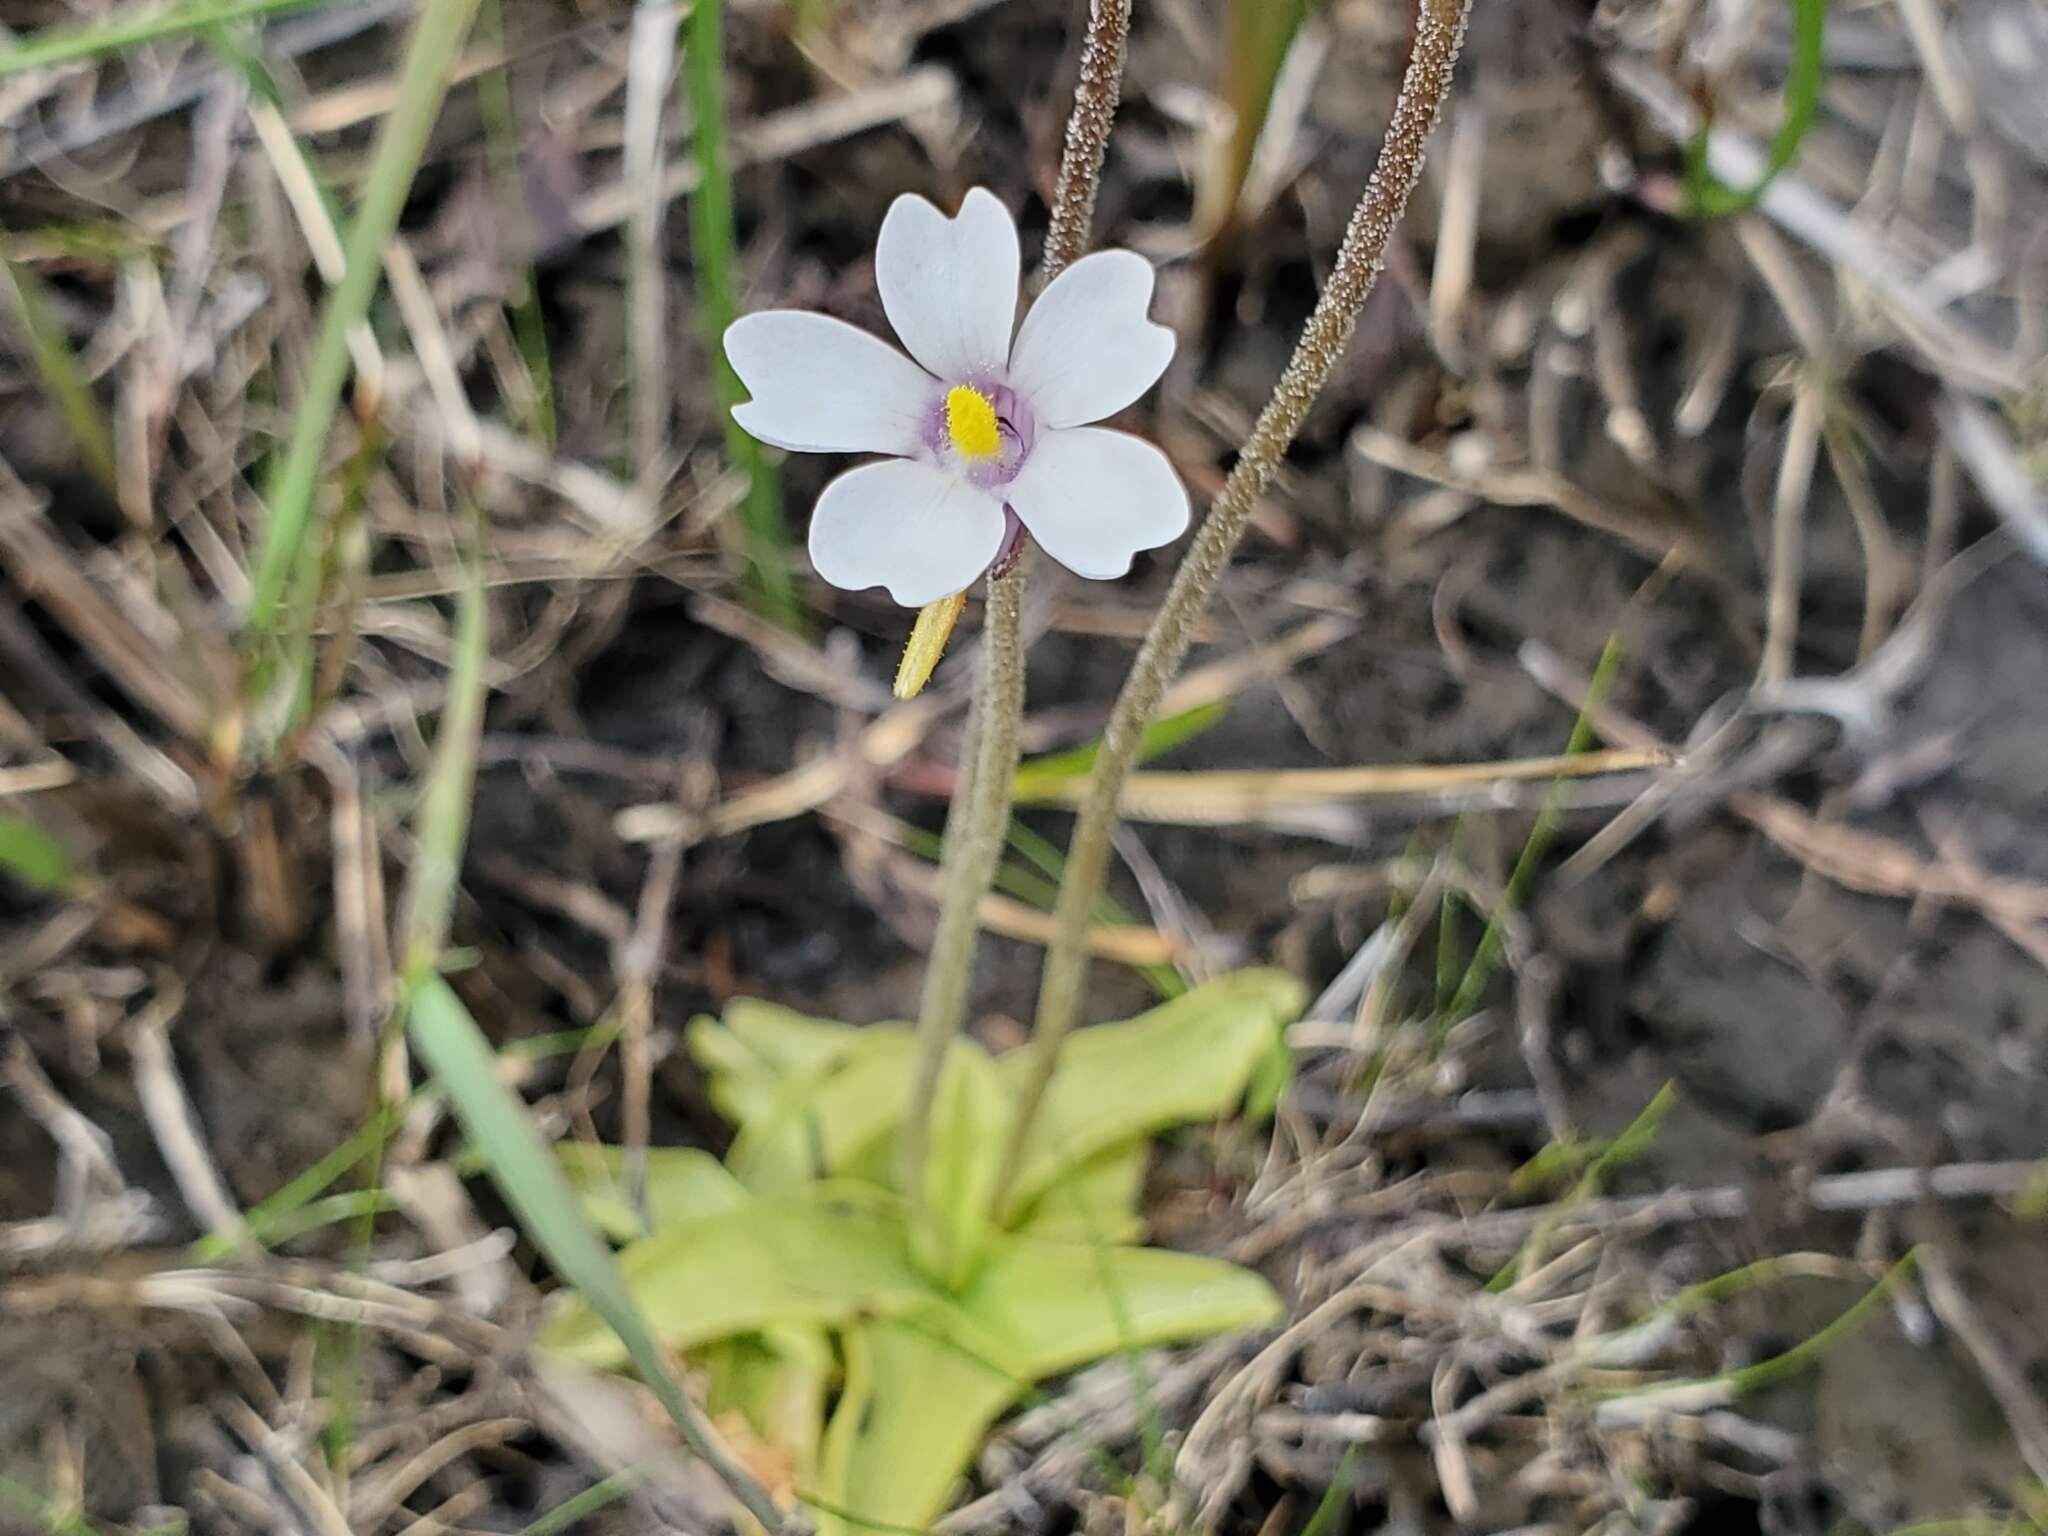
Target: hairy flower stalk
{"points": [[980, 811], [1439, 32], [1096, 96]]}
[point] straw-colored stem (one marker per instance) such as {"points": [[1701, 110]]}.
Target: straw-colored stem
{"points": [[650, 57], [980, 811], [1439, 31]]}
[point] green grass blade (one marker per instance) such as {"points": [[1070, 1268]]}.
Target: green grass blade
{"points": [[67, 45], [566, 1515], [441, 832], [1777, 1368], [1450, 930], [54, 363], [1258, 34], [354, 1205], [501, 134], [1714, 1291], [276, 1211], [1040, 778], [429, 61], [1042, 889], [712, 247], [1329, 1511], [1768, 1373], [26, 1503], [1632, 1143], [1706, 194], [1052, 864], [33, 857], [533, 1184], [1487, 956], [453, 1047], [443, 828]]}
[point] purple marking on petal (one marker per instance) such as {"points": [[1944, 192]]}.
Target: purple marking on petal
{"points": [[937, 446], [1006, 552], [1015, 425], [1017, 428]]}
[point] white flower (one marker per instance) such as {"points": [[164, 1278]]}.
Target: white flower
{"points": [[980, 427]]}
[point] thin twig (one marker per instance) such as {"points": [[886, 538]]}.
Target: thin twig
{"points": [[1996, 1362], [43, 566], [638, 962], [88, 1152], [1439, 31], [171, 1122], [1788, 531]]}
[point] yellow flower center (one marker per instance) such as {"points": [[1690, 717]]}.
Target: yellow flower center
{"points": [[971, 423]]}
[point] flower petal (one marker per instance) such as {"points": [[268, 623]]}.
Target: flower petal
{"points": [[905, 525], [1093, 498], [823, 386], [950, 285], [1086, 350]]}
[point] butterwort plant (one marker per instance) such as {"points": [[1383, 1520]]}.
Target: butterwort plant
{"points": [[987, 425], [908, 1232]]}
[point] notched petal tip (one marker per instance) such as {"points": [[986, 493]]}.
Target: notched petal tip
{"points": [[752, 419], [949, 284], [986, 200], [820, 385], [1089, 347], [1095, 499]]}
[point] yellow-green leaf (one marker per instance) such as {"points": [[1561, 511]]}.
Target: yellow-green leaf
{"points": [[1094, 1202], [783, 1038], [777, 1380], [1188, 1059], [1053, 1306], [969, 1129], [935, 1385], [819, 1119], [683, 1184], [934, 1379], [812, 1097], [778, 1260], [755, 1045]]}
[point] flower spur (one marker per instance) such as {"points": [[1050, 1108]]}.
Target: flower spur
{"points": [[984, 430]]}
